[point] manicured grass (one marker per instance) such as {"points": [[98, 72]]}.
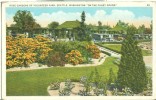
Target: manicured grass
{"points": [[146, 52], [117, 48], [35, 82]]}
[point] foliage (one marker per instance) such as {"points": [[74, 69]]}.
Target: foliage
{"points": [[94, 77], [69, 24], [84, 31], [112, 77], [87, 56], [21, 51], [146, 52], [101, 43], [74, 57], [132, 72], [99, 26], [113, 47], [24, 21], [93, 83], [147, 40], [125, 92], [83, 16], [149, 79], [87, 86], [42, 48], [117, 47], [64, 92], [148, 31], [99, 92], [84, 93], [66, 47], [94, 51], [101, 89], [55, 86], [55, 59], [67, 89], [141, 29], [53, 25]]}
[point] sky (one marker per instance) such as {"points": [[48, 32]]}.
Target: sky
{"points": [[107, 15]]}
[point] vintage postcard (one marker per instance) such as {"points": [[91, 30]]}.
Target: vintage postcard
{"points": [[78, 50]]}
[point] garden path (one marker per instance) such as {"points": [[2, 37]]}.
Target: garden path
{"points": [[114, 54], [74, 92], [148, 61]]}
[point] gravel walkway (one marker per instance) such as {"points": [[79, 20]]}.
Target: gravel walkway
{"points": [[148, 61]]}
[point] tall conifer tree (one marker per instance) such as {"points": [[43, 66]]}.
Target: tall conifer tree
{"points": [[132, 71]]}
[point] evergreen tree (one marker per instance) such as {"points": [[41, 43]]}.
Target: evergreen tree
{"points": [[83, 35], [132, 71], [83, 16]]}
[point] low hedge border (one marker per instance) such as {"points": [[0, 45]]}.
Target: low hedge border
{"points": [[107, 53], [99, 44]]}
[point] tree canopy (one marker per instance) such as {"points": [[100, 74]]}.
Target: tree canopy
{"points": [[53, 25], [24, 21]]}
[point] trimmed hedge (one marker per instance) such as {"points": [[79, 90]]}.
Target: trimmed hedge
{"points": [[108, 48], [109, 43], [147, 40], [107, 53]]}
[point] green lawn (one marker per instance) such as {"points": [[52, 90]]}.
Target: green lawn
{"points": [[146, 52], [117, 48], [35, 82]]}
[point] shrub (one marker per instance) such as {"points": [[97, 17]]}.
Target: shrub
{"points": [[66, 47], [21, 51], [107, 53], [55, 86], [132, 71], [94, 77], [42, 48], [86, 55], [66, 91], [74, 57], [55, 59], [112, 77], [94, 51]]}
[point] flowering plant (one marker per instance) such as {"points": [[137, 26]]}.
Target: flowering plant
{"points": [[74, 57]]}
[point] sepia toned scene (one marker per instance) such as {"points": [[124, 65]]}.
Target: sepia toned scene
{"points": [[79, 51]]}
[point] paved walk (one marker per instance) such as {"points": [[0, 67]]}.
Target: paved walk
{"points": [[114, 54], [147, 59]]}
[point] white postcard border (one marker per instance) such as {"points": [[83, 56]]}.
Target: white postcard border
{"points": [[118, 4]]}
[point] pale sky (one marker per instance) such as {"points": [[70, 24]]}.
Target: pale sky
{"points": [[107, 15]]}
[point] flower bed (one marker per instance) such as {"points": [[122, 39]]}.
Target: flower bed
{"points": [[21, 52]]}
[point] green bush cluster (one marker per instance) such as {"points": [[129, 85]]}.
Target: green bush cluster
{"points": [[60, 48]]}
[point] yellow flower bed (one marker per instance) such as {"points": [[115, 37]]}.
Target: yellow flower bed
{"points": [[21, 51]]}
